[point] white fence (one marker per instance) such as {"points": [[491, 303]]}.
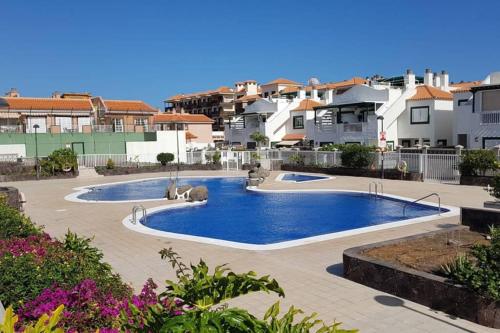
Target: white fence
{"points": [[441, 168]]}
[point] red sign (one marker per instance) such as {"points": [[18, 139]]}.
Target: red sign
{"points": [[382, 136]]}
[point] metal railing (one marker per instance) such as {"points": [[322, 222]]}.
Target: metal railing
{"points": [[140, 208], [490, 117], [422, 198]]}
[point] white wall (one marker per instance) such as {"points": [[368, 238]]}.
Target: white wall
{"points": [[166, 142], [466, 122], [440, 124], [13, 149]]}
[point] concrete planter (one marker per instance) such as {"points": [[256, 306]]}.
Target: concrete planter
{"points": [[354, 172], [479, 219], [427, 289], [155, 168]]}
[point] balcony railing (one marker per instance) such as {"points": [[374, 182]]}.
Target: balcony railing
{"points": [[356, 127], [11, 129], [490, 117]]}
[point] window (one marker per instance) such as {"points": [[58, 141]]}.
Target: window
{"points": [[463, 102], [419, 115], [442, 142], [298, 122], [140, 121], [491, 100], [65, 123], [118, 124]]}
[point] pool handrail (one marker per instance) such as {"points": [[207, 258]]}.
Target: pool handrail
{"points": [[376, 188], [134, 213], [422, 198]]}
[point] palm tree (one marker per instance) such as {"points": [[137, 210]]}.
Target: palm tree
{"points": [[259, 138]]}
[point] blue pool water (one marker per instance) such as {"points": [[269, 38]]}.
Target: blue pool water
{"points": [[234, 214], [298, 178]]}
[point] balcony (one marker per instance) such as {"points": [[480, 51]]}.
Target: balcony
{"points": [[11, 129], [490, 117], [353, 128]]}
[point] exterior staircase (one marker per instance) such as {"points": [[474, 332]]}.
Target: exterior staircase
{"points": [[86, 172]]}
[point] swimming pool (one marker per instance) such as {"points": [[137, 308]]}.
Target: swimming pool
{"points": [[300, 177], [261, 220]]}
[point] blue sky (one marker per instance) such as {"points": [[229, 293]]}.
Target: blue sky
{"points": [[150, 50]]}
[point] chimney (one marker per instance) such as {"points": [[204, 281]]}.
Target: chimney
{"points": [[56, 94], [409, 79], [302, 93], [437, 80], [12, 93], [314, 93], [428, 77], [445, 81], [329, 96], [238, 86], [251, 87]]}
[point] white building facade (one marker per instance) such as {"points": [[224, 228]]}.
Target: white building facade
{"points": [[476, 121]]}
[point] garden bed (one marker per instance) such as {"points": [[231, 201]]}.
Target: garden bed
{"points": [[126, 170], [13, 171], [354, 172], [407, 268]]}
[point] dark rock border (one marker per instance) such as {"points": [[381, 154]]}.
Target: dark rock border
{"points": [[11, 195], [24, 177], [354, 172], [119, 170], [476, 180], [424, 288]]}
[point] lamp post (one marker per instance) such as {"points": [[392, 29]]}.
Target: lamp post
{"points": [[381, 118], [37, 164], [178, 158]]}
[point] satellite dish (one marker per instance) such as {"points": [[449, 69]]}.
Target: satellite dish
{"points": [[314, 81]]}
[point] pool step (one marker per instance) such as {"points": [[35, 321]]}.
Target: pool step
{"points": [[84, 172]]}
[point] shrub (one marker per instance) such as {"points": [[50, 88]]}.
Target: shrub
{"points": [[332, 147], [297, 159], [201, 292], [165, 158], [61, 160], [356, 156], [30, 265], [110, 164], [477, 162], [15, 224], [480, 273], [216, 157]]}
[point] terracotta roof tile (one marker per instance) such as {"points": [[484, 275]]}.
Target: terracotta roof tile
{"points": [[464, 86], [307, 104], [282, 81], [248, 98], [293, 137], [220, 90], [29, 103], [326, 86], [427, 92], [127, 105], [181, 118], [190, 136]]}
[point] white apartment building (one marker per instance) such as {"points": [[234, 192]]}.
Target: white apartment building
{"points": [[410, 110], [476, 121]]}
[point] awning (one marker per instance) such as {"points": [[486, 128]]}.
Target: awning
{"points": [[287, 143]]}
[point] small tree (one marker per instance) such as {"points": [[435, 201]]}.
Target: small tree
{"points": [[259, 138], [110, 164], [165, 158]]}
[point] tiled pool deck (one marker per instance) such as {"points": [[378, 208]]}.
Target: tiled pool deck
{"points": [[310, 274]]}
